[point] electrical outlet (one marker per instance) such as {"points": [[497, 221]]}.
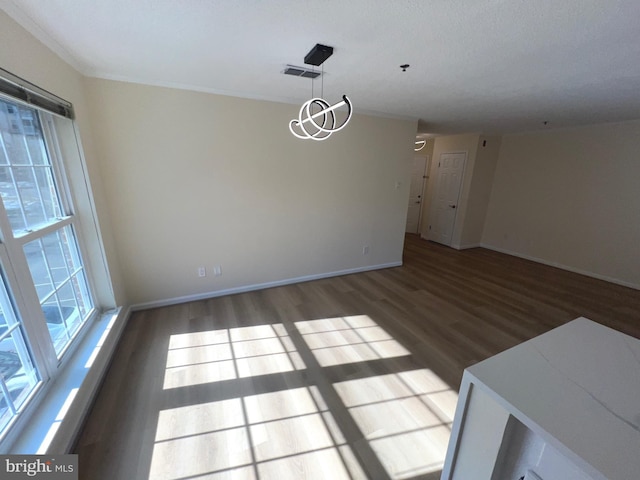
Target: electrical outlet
{"points": [[217, 271], [202, 272], [365, 250]]}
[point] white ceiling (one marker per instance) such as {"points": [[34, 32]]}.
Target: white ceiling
{"points": [[488, 66]]}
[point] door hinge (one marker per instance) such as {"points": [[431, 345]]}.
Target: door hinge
{"points": [[429, 227]]}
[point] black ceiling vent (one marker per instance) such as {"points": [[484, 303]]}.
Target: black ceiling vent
{"points": [[318, 55], [300, 72]]}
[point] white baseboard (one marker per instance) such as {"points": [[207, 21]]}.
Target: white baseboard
{"points": [[258, 286], [466, 247], [561, 266]]}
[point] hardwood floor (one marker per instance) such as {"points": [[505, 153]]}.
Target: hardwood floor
{"points": [[343, 378]]}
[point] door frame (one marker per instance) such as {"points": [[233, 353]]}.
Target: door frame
{"points": [[425, 185]]}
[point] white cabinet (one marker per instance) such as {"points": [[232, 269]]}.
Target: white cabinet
{"points": [[562, 406]]}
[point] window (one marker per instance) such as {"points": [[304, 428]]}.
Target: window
{"points": [[45, 296], [18, 376]]}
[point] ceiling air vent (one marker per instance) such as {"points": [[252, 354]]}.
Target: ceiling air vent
{"points": [[300, 72]]}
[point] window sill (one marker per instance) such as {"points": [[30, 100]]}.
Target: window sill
{"points": [[53, 421]]}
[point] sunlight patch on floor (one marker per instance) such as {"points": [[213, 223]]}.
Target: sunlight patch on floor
{"points": [[227, 354], [342, 340], [292, 434], [288, 434], [406, 418]]}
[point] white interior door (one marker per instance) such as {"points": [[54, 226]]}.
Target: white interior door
{"points": [[416, 193], [445, 205]]}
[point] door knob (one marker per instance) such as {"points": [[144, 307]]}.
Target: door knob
{"points": [[452, 206]]}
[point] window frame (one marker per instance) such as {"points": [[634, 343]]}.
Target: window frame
{"points": [[17, 274]]}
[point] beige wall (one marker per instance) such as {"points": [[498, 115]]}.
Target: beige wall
{"points": [[197, 179], [570, 198], [183, 179], [480, 183], [23, 55]]}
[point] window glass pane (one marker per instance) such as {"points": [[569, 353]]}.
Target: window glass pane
{"points": [[61, 284], [37, 153], [13, 143], [63, 316], [18, 377], [28, 195], [81, 294], [37, 193], [21, 132], [53, 259], [68, 249], [40, 272], [55, 323], [55, 254], [3, 153], [26, 183], [69, 308], [11, 200], [4, 325]]}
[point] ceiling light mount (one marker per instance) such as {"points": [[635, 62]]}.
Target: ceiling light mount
{"points": [[318, 54]]}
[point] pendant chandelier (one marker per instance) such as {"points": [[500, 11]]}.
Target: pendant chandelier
{"points": [[317, 119]]}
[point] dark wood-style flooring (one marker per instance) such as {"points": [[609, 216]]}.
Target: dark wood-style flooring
{"points": [[348, 377]]}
